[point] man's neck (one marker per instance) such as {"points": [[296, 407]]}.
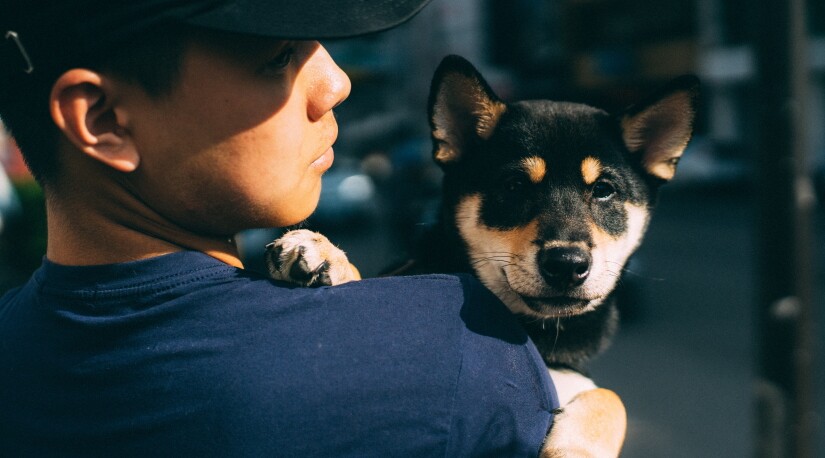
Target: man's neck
{"points": [[120, 229]]}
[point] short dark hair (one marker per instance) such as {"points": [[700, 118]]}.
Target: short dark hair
{"points": [[152, 62]]}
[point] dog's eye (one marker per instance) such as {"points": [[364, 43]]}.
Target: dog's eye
{"points": [[514, 185], [603, 190]]}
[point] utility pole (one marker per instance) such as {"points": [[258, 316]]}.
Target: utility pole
{"points": [[785, 389]]}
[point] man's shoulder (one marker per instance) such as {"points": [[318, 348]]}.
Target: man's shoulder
{"points": [[418, 286], [193, 282], [433, 289], [414, 300]]}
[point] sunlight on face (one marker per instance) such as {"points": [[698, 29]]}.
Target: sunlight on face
{"points": [[244, 139]]}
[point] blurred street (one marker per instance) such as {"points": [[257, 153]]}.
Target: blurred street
{"points": [[684, 360]]}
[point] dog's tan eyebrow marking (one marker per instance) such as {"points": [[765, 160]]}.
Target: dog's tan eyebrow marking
{"points": [[591, 169], [535, 167]]}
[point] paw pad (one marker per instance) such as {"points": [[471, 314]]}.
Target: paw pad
{"points": [[307, 259]]}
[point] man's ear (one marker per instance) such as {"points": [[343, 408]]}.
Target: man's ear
{"points": [[658, 129], [83, 110], [462, 109]]}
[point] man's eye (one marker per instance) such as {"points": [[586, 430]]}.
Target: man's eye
{"points": [[277, 65]]}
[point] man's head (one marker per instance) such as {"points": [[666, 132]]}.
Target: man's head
{"points": [[241, 141], [183, 103]]}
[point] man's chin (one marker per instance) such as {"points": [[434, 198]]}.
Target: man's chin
{"points": [[296, 215]]}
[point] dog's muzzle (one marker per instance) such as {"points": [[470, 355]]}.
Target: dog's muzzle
{"points": [[564, 268]]}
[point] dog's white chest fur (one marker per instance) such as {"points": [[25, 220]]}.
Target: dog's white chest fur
{"points": [[569, 384]]}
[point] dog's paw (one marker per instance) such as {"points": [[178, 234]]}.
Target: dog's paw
{"points": [[592, 425], [308, 259]]}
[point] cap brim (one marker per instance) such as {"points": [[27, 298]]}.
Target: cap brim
{"points": [[299, 19]]}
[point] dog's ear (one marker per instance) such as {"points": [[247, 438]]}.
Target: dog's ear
{"points": [[658, 129], [462, 108]]}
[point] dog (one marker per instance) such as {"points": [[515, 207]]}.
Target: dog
{"points": [[544, 202]]}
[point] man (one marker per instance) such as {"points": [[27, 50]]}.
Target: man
{"points": [[158, 129]]}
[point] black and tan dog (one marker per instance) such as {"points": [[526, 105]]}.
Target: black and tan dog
{"points": [[544, 202]]}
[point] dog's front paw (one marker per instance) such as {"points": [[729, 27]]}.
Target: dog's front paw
{"points": [[308, 259], [592, 425]]}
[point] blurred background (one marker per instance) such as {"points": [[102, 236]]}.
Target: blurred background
{"points": [[689, 361]]}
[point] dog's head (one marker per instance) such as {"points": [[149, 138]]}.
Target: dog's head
{"points": [[552, 198]]}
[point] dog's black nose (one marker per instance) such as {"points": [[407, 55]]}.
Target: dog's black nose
{"points": [[564, 267]]}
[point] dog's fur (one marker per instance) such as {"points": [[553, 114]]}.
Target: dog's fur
{"points": [[544, 202]]}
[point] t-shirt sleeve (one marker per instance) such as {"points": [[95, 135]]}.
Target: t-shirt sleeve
{"points": [[502, 371]]}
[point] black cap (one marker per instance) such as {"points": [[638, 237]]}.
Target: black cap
{"points": [[50, 35]]}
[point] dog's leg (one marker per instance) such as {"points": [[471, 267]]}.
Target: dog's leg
{"points": [[308, 259], [570, 384], [591, 425]]}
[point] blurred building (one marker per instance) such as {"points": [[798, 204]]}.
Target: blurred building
{"points": [[603, 52]]}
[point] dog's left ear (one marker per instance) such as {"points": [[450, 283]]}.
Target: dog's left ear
{"points": [[659, 128], [463, 109]]}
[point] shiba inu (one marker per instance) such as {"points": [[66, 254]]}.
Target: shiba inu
{"points": [[544, 202]]}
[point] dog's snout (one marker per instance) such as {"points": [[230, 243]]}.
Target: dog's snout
{"points": [[564, 267]]}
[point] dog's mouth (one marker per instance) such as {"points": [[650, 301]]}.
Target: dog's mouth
{"points": [[557, 306], [553, 304]]}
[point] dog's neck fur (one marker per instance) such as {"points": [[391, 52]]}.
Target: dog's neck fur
{"points": [[573, 341]]}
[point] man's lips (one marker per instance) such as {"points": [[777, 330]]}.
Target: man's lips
{"points": [[324, 161]]}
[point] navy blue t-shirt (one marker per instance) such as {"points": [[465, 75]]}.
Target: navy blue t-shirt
{"points": [[184, 355]]}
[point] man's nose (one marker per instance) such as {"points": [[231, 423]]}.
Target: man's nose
{"points": [[330, 85]]}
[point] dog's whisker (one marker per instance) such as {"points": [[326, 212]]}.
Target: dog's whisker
{"points": [[500, 261], [495, 253], [558, 333]]}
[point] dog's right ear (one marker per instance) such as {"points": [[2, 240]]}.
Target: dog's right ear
{"points": [[462, 108]]}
